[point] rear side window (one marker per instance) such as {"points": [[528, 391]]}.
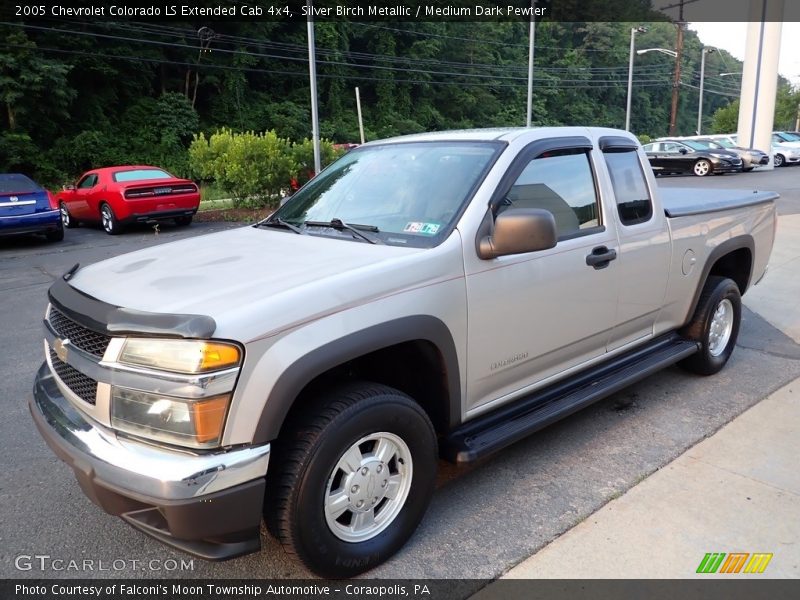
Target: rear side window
{"points": [[561, 182], [630, 187], [15, 183], [141, 174]]}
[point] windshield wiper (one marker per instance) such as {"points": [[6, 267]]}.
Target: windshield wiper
{"points": [[277, 221], [354, 228]]}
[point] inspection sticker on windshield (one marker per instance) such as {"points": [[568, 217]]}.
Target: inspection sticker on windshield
{"points": [[425, 228]]}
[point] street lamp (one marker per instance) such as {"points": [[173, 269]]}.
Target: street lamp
{"points": [[672, 53], [634, 31], [703, 52]]}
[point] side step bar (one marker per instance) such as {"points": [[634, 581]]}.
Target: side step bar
{"points": [[500, 428]]}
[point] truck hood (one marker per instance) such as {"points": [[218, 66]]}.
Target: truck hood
{"points": [[248, 274]]}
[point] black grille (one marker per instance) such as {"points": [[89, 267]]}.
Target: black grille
{"points": [[82, 386], [87, 340]]}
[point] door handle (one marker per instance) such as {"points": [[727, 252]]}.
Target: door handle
{"points": [[600, 257]]}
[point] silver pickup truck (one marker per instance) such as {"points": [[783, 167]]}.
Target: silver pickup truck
{"points": [[436, 295]]}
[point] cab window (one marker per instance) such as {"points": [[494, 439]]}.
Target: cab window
{"points": [[634, 204], [561, 182]]}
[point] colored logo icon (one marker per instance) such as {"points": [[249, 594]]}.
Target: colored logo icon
{"points": [[736, 562]]}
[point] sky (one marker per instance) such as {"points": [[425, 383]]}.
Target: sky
{"points": [[731, 37]]}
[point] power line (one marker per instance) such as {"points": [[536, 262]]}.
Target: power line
{"points": [[643, 69], [549, 84], [297, 59]]}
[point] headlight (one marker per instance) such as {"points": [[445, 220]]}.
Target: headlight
{"points": [[722, 156], [194, 423], [180, 356]]}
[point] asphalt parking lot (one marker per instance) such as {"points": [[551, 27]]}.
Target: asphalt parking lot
{"points": [[483, 519]]}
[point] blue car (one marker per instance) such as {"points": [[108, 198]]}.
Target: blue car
{"points": [[26, 207]]}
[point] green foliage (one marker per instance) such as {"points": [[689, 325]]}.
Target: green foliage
{"points": [[112, 99], [18, 153], [254, 168], [302, 154], [726, 119], [644, 138], [31, 87], [787, 108]]}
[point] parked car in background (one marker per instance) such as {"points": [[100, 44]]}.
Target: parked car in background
{"points": [[116, 196], [783, 154], [785, 140], [26, 207], [751, 157], [688, 156], [786, 137]]}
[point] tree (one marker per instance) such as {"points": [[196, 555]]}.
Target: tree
{"points": [[726, 119], [30, 84]]}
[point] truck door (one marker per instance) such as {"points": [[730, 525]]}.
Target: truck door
{"points": [[532, 316], [644, 243]]}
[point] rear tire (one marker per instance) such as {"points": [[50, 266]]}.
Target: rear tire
{"points": [[183, 221], [66, 218], [715, 325], [351, 478], [109, 220]]}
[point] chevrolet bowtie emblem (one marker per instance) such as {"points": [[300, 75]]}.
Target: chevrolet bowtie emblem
{"points": [[60, 348]]}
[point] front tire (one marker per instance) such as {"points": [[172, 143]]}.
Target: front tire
{"points": [[702, 168], [109, 220], [715, 325], [351, 479], [779, 160]]}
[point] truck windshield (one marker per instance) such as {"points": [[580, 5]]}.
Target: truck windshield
{"points": [[405, 193]]}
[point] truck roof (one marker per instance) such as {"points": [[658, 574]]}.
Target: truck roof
{"points": [[506, 134]]}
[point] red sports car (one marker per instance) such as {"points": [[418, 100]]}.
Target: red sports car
{"points": [[116, 196]]}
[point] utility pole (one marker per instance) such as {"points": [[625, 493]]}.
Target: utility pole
{"points": [[634, 31], [705, 50], [676, 82], [797, 122], [360, 120], [531, 40], [312, 77]]}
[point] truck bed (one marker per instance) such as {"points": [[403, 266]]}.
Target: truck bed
{"points": [[681, 202]]}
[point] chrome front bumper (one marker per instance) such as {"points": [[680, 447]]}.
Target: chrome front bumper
{"points": [[135, 466], [208, 504]]}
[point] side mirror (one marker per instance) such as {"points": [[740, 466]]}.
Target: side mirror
{"points": [[519, 230], [70, 187], [683, 151]]}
